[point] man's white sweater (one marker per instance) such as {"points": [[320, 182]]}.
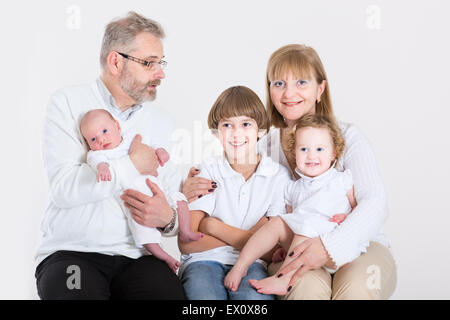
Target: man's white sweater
{"points": [[83, 215]]}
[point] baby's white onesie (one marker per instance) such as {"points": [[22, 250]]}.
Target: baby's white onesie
{"points": [[167, 181]]}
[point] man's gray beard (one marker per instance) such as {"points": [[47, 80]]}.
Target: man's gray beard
{"points": [[131, 87]]}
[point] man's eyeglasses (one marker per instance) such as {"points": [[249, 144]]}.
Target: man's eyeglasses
{"points": [[151, 65]]}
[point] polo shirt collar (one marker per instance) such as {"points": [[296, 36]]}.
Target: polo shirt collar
{"points": [[111, 103], [266, 167]]}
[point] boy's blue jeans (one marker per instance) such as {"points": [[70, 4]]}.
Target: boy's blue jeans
{"points": [[203, 280]]}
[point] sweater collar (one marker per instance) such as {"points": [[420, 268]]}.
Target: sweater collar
{"points": [[110, 103]]}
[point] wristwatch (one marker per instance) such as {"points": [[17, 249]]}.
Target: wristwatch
{"points": [[171, 224]]}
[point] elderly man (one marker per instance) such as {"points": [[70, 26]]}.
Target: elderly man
{"points": [[87, 251]]}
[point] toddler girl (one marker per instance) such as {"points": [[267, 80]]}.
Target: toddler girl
{"points": [[319, 193]]}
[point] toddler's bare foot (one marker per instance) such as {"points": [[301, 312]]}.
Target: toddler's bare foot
{"points": [[271, 285], [234, 277], [190, 236]]}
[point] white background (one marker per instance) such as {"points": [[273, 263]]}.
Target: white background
{"points": [[387, 63]]}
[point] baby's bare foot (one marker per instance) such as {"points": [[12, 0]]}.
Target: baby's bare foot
{"points": [[190, 236], [234, 277], [271, 285], [173, 264]]}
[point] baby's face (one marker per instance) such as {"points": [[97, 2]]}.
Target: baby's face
{"points": [[314, 151], [101, 132]]}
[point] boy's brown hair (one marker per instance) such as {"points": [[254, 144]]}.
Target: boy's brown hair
{"points": [[235, 102]]}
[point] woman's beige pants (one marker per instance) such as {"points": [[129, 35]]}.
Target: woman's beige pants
{"points": [[372, 276]]}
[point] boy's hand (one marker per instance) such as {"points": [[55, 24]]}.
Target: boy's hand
{"points": [[338, 218], [207, 225], [163, 156], [259, 224], [103, 172]]}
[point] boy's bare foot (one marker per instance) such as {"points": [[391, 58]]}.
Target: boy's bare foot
{"points": [[271, 285], [234, 277]]}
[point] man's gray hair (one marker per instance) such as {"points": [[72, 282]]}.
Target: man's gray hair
{"points": [[121, 32]]}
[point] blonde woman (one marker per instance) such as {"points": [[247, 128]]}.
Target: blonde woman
{"points": [[296, 85]]}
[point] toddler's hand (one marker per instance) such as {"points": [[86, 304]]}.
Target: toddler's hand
{"points": [[338, 218], [279, 255], [163, 156], [103, 172]]}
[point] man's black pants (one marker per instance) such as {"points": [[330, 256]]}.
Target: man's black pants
{"points": [[80, 275]]}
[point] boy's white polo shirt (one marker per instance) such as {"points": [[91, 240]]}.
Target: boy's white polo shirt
{"points": [[237, 202]]}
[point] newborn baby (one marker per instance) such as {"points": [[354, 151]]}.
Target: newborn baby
{"points": [[103, 135]]}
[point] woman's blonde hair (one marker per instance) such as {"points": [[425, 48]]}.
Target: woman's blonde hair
{"points": [[303, 62], [320, 122], [235, 102]]}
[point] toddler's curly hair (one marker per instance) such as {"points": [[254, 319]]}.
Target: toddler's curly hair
{"points": [[321, 122]]}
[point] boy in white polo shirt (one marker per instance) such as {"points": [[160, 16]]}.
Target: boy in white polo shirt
{"points": [[249, 190]]}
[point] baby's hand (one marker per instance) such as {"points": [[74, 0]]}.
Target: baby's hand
{"points": [[103, 172], [339, 218], [163, 156], [279, 255]]}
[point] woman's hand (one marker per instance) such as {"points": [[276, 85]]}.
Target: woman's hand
{"points": [[153, 212], [310, 255], [279, 255], [195, 187], [143, 157]]}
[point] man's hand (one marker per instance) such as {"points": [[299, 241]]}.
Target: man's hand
{"points": [[143, 157], [153, 212], [103, 172]]}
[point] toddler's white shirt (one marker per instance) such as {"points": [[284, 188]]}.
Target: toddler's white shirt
{"points": [[316, 200]]}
